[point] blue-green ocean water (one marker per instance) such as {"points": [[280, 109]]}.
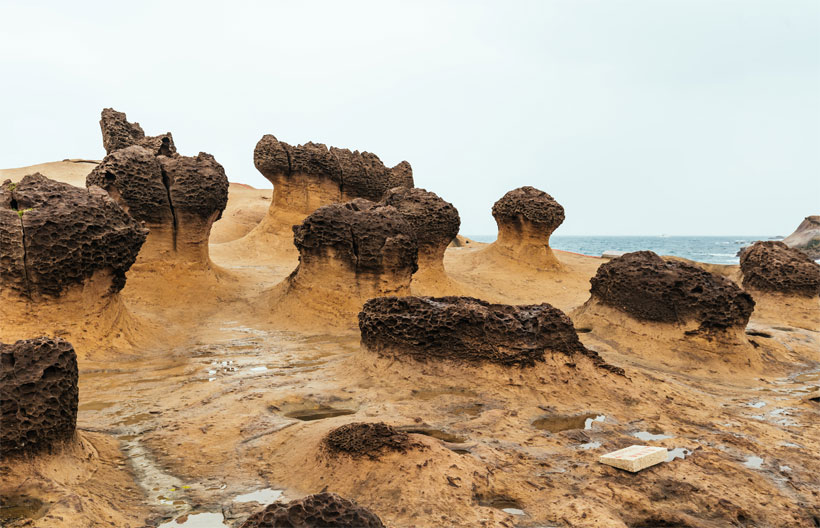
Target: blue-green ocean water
{"points": [[713, 249]]}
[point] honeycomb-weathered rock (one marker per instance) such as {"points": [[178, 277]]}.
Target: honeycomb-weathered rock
{"points": [[366, 439], [369, 237], [322, 510], [355, 174], [775, 267], [530, 205], [197, 185], [469, 330], [118, 133], [54, 235], [647, 287], [38, 395], [434, 221]]}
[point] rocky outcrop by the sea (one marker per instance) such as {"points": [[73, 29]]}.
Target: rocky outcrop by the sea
{"points": [[806, 237]]}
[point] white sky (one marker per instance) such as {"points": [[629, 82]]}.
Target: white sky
{"points": [[639, 116]]}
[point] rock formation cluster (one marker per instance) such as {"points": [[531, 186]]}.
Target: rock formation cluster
{"points": [[649, 288], [326, 510], [366, 439], [468, 330], [526, 218], [38, 395], [773, 266], [54, 236], [177, 197]]}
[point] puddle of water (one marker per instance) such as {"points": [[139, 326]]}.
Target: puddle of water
{"points": [[589, 445], [562, 422], [753, 462], [785, 469], [162, 487], [318, 413], [647, 436], [196, 520], [444, 436], [678, 452], [504, 504], [264, 496], [756, 405], [513, 511], [16, 508]]}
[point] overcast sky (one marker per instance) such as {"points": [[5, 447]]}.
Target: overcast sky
{"points": [[640, 117]]}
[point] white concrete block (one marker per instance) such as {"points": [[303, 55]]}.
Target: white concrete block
{"points": [[634, 458]]}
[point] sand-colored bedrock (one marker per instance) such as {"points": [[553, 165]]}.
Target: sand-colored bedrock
{"points": [[205, 397]]}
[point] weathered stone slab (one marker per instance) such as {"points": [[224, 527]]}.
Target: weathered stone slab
{"points": [[634, 458]]}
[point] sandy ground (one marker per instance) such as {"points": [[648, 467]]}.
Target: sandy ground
{"points": [[203, 399]]}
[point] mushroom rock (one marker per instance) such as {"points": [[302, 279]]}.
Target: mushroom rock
{"points": [[468, 330], [526, 217], [348, 253], [366, 439], [38, 395], [178, 198], [774, 267], [310, 176], [327, 510], [118, 133], [435, 224]]}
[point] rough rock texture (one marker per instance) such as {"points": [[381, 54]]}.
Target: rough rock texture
{"points": [[118, 133], [774, 266], [370, 237], [806, 237], [366, 439], [38, 394], [357, 174], [322, 510], [196, 185], [54, 235], [647, 287], [469, 330], [434, 221], [531, 205]]}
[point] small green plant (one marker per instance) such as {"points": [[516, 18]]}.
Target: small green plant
{"points": [[21, 212], [12, 186]]}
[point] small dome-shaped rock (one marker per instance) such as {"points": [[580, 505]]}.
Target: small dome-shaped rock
{"points": [[366, 439], [325, 510], [772, 266], [434, 221]]}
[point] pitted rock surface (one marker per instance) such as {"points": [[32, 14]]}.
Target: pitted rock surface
{"points": [[322, 510], [371, 237], [434, 221], [38, 394], [66, 234], [118, 133], [197, 185], [530, 204], [358, 174], [647, 287], [366, 439], [773, 266], [469, 330]]}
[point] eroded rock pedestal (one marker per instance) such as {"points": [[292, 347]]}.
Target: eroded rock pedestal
{"points": [[348, 253], [526, 217], [327, 510], [307, 177], [38, 395], [178, 198], [774, 267], [64, 252]]}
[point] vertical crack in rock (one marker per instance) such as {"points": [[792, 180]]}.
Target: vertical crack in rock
{"points": [[15, 207], [166, 181]]}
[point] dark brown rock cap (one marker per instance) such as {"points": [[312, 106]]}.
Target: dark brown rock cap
{"points": [[366, 439], [532, 205], [358, 174], [54, 235], [322, 510], [647, 287], [38, 395], [434, 221], [467, 330], [775, 267], [118, 133], [371, 237]]}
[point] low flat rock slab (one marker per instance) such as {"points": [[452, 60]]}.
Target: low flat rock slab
{"points": [[634, 458]]}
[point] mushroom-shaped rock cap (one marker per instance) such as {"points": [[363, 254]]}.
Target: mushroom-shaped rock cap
{"points": [[325, 510], [773, 266], [366, 439], [647, 287], [434, 221], [38, 394], [530, 204], [54, 235], [358, 174], [118, 133], [467, 329], [371, 237], [154, 189]]}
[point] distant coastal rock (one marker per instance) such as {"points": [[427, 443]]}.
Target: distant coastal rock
{"points": [[806, 237]]}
